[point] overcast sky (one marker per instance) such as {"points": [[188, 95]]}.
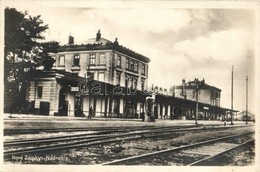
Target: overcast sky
{"points": [[181, 43]]}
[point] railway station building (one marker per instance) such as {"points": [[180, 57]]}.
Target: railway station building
{"points": [[101, 63], [113, 81]]}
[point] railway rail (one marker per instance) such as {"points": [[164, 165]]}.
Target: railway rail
{"points": [[90, 133], [60, 143], [55, 130], [81, 139], [10, 132], [190, 155], [206, 160]]}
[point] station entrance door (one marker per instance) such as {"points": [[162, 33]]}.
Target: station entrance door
{"points": [[78, 110]]}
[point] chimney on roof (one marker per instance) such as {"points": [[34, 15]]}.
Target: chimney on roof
{"points": [[71, 40], [183, 89], [98, 35]]}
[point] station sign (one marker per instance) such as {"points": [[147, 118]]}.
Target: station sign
{"points": [[75, 89]]}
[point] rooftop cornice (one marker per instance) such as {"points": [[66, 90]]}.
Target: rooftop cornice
{"points": [[206, 86], [108, 46]]}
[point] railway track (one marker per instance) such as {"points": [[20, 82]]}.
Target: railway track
{"points": [[56, 130], [10, 132], [189, 155], [82, 140], [11, 142], [205, 161], [82, 136]]}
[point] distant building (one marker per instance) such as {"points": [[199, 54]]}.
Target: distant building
{"points": [[97, 60], [206, 94], [180, 102]]}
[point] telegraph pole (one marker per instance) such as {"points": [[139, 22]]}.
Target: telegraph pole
{"points": [[246, 97], [232, 77], [197, 104], [89, 93]]}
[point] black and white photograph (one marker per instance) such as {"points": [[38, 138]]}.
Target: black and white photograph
{"points": [[129, 84]]}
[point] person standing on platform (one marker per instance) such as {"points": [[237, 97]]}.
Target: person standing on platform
{"points": [[90, 113]]}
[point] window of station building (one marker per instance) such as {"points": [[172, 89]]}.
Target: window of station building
{"points": [[194, 94], [102, 59], [127, 82], [143, 84], [143, 69], [54, 58], [131, 65], [134, 83], [136, 66], [101, 76], [108, 75], [127, 63], [76, 60], [131, 82], [215, 95], [62, 61], [118, 63], [39, 91], [118, 78], [92, 60], [218, 95]]}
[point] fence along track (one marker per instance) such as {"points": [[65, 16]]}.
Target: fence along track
{"points": [[133, 158]]}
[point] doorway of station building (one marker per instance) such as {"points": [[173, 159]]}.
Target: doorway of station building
{"points": [[78, 110], [114, 105], [63, 104], [130, 110], [155, 111]]}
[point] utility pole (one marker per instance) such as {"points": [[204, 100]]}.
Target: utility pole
{"points": [[88, 84], [246, 98], [232, 77], [197, 103]]}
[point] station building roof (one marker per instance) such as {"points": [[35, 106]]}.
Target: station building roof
{"points": [[180, 102], [201, 84], [99, 43]]}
